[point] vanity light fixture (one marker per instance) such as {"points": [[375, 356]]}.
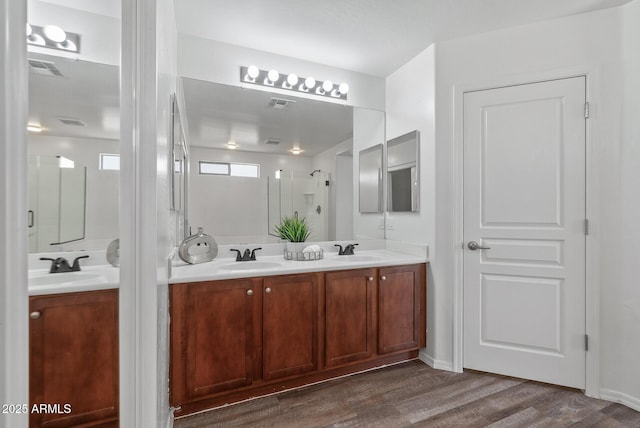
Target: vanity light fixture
{"points": [[53, 37], [293, 82], [34, 128]]}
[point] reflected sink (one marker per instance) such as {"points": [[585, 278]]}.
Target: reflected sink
{"points": [[249, 265], [358, 258], [65, 278]]}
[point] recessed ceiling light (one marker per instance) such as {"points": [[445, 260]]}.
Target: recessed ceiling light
{"points": [[296, 150], [34, 128], [231, 145]]}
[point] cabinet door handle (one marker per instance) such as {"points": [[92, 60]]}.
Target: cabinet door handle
{"points": [[384, 278], [249, 292], [267, 290], [370, 278], [34, 315]]}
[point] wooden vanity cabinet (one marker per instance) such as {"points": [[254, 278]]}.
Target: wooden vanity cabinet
{"points": [[289, 325], [241, 338], [349, 316], [401, 323], [73, 365], [212, 337]]}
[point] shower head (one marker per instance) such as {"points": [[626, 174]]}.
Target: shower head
{"points": [[314, 172]]}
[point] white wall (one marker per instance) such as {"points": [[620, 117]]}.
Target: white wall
{"points": [[220, 62], [410, 106], [368, 131], [234, 209], [585, 43], [14, 304], [327, 163], [101, 187]]}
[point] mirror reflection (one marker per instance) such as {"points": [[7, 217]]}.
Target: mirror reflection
{"points": [[76, 105], [402, 172], [370, 179], [257, 156]]}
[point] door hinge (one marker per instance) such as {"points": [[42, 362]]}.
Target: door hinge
{"points": [[586, 342], [586, 226], [586, 110]]}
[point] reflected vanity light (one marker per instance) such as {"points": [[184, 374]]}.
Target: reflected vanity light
{"points": [[293, 82], [53, 37], [34, 128]]}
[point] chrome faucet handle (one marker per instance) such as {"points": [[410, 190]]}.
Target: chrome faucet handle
{"points": [[340, 250]]}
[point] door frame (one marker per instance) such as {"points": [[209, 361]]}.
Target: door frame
{"points": [[592, 286]]}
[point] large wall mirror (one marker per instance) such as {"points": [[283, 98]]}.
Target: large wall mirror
{"points": [[74, 144], [257, 156], [403, 183]]}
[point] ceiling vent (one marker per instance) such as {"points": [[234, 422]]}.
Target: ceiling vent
{"points": [[280, 103], [271, 141], [71, 121], [44, 68]]}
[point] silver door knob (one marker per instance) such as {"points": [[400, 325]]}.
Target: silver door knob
{"points": [[267, 290], [370, 278], [34, 315], [473, 245], [249, 292], [384, 278]]}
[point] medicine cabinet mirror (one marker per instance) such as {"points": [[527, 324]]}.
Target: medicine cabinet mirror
{"points": [[403, 183]]}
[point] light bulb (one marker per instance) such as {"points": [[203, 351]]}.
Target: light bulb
{"points": [[310, 82], [343, 88], [67, 45], [54, 33], [273, 75], [253, 71], [292, 79], [327, 85], [36, 39]]}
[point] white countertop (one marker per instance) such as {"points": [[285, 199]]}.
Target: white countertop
{"points": [[90, 278], [96, 274], [228, 268]]}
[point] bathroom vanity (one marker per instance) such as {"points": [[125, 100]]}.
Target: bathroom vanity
{"points": [[73, 346], [244, 334]]}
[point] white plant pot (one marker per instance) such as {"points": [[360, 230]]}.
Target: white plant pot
{"points": [[296, 247]]}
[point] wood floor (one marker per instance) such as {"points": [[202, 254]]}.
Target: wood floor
{"points": [[413, 394]]}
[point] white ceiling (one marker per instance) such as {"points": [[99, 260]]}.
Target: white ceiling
{"points": [[369, 36], [219, 113]]}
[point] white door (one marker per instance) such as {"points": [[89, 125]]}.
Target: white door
{"points": [[524, 199]]}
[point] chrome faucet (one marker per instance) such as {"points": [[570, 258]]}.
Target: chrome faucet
{"points": [[347, 251], [60, 264], [247, 256]]}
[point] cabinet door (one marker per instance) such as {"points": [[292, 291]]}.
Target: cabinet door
{"points": [[212, 338], [290, 325], [349, 332], [73, 365], [400, 295]]}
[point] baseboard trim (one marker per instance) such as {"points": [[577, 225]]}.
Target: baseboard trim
{"points": [[436, 364], [620, 397]]}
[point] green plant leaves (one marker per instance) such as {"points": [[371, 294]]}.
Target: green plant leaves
{"points": [[293, 229]]}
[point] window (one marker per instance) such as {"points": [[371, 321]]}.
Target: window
{"points": [[230, 169], [110, 161]]}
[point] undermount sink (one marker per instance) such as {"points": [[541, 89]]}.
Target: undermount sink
{"points": [[249, 266], [358, 258], [65, 278]]}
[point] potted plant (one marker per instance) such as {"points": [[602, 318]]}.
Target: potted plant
{"points": [[295, 231]]}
